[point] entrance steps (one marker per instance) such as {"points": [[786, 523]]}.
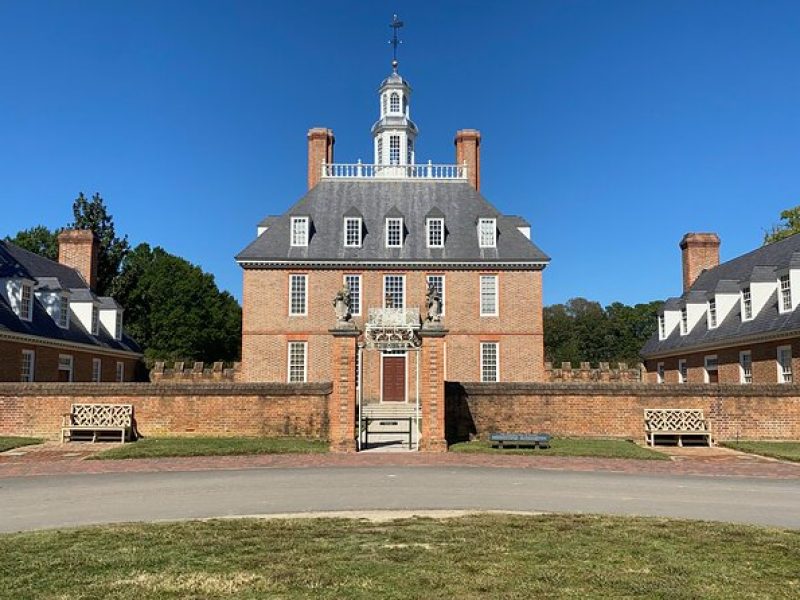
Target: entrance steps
{"points": [[388, 427]]}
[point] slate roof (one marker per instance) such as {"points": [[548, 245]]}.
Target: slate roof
{"points": [[761, 264], [330, 200], [16, 262]]}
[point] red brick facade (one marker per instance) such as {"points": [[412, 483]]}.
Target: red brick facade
{"points": [[77, 248]]}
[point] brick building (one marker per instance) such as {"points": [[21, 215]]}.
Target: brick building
{"points": [[396, 234], [53, 327], [736, 322]]}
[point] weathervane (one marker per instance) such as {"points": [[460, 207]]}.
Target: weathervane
{"points": [[395, 41]]}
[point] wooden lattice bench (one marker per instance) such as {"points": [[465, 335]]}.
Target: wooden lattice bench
{"points": [[519, 440], [100, 420], [676, 423]]}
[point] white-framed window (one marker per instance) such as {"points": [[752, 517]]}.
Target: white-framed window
{"points": [[118, 326], [438, 284], [299, 231], [352, 232], [784, 364], [298, 298], [394, 102], [394, 291], [394, 149], [711, 371], [28, 370], [65, 367], [353, 283], [26, 302], [712, 313], [747, 304], [487, 233], [298, 354], [745, 366], [786, 293], [95, 320], [489, 302], [410, 152], [490, 362], [394, 232], [380, 150], [662, 327], [660, 372], [120, 372], [63, 311], [434, 233], [384, 100], [684, 321], [97, 370], [683, 371]]}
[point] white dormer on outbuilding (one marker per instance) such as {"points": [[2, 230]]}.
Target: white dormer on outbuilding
{"points": [[761, 285], [85, 307], [18, 292], [726, 297], [669, 318], [789, 295], [696, 306], [54, 299], [111, 317]]}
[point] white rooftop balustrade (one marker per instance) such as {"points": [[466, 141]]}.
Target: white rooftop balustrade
{"points": [[361, 170]]}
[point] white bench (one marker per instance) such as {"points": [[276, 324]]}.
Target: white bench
{"points": [[99, 420], [677, 423]]}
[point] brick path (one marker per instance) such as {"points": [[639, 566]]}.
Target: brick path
{"points": [[55, 459]]}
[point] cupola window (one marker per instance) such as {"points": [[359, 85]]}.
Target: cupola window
{"points": [[394, 149], [394, 103]]}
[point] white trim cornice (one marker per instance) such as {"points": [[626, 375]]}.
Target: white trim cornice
{"points": [[384, 264], [43, 341]]}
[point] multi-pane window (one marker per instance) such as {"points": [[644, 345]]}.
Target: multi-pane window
{"points": [[487, 233], [662, 327], [745, 366], [683, 372], [394, 102], [297, 361], [712, 313], [785, 364], [353, 283], [489, 362], [393, 291], [438, 283], [28, 366], [297, 295], [97, 370], [394, 149], [409, 152], [380, 150], [747, 304], [120, 372], [65, 368], [95, 320], [118, 326], [63, 312], [786, 293], [26, 302], [711, 368], [435, 233], [660, 372], [394, 232], [383, 103], [684, 321], [489, 295], [352, 232], [299, 231]]}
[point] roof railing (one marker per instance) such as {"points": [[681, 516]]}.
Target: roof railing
{"points": [[361, 170]]}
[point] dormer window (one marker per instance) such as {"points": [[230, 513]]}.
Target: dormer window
{"points": [[487, 233], [352, 232], [785, 292], [63, 311], [299, 231], [95, 320], [435, 232], [26, 302], [684, 321], [712, 313], [394, 232], [394, 103], [662, 327], [747, 304], [118, 326]]}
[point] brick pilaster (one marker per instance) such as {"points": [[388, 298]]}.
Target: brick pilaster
{"points": [[432, 396], [342, 401]]}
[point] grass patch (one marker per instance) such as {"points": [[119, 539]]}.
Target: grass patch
{"points": [[11, 442], [569, 447], [501, 556], [158, 447], [782, 450]]}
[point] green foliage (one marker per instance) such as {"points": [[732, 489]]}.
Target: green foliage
{"points": [[789, 225], [39, 240], [175, 310], [584, 331]]}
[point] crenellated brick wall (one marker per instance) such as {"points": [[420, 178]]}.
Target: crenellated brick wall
{"points": [[587, 374], [196, 373]]}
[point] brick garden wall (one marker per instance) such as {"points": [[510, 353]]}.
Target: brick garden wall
{"points": [[179, 409], [747, 412]]}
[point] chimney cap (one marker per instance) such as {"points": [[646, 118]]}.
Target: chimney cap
{"points": [[699, 238], [468, 134], [77, 235], [321, 132]]}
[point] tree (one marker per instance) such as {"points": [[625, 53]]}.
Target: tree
{"points": [[789, 225], [93, 214], [175, 310], [39, 240]]}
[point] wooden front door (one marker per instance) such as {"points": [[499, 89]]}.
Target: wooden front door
{"points": [[394, 378]]}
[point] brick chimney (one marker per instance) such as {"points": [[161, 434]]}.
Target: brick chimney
{"points": [[77, 248], [320, 150], [468, 149], [699, 251]]}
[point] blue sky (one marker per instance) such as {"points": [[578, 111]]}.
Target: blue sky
{"points": [[614, 127]]}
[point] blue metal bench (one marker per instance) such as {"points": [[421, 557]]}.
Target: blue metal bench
{"points": [[519, 440]]}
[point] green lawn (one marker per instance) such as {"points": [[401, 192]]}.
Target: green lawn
{"points": [[570, 447], [11, 442], [482, 556], [157, 447], [782, 450]]}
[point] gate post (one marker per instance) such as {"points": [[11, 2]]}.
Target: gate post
{"points": [[432, 393], [342, 401]]}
